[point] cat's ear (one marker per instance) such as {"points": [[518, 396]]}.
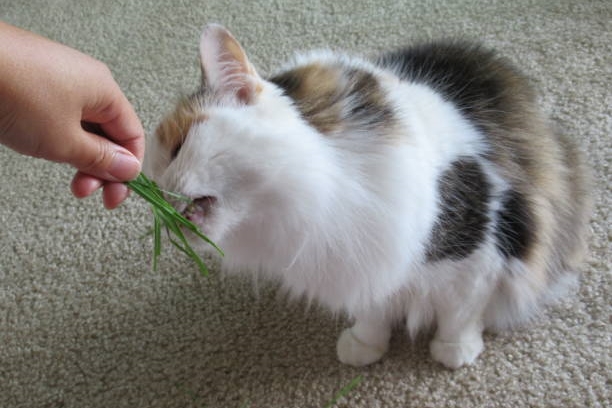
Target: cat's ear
{"points": [[225, 66]]}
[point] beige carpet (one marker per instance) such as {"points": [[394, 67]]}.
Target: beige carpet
{"points": [[84, 322]]}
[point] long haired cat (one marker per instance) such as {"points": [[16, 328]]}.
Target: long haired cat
{"points": [[422, 187]]}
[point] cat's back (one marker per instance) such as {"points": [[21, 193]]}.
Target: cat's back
{"points": [[485, 87], [341, 95], [546, 203]]}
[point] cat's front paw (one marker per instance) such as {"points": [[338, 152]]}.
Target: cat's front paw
{"points": [[355, 352], [455, 355]]}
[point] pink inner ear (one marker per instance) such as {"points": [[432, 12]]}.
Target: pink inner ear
{"points": [[226, 66]]}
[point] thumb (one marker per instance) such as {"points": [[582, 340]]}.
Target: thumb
{"points": [[99, 157]]}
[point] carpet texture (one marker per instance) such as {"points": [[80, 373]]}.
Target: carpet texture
{"points": [[84, 322]]}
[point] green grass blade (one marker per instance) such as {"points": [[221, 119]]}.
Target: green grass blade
{"points": [[201, 265], [345, 391], [177, 196], [185, 247], [156, 241], [193, 228], [166, 216]]}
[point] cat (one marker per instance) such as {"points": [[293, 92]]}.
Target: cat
{"points": [[422, 187]]}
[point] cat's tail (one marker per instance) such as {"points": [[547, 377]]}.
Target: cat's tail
{"points": [[518, 300], [525, 288]]}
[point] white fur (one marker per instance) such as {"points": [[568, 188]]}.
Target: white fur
{"points": [[344, 229]]}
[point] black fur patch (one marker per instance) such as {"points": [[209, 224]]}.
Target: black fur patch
{"points": [[463, 219], [498, 100], [368, 102], [514, 231], [478, 82], [487, 89]]}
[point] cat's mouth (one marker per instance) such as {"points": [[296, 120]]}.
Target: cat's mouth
{"points": [[199, 209]]}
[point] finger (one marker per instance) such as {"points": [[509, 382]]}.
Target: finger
{"points": [[98, 157], [83, 185], [114, 194], [117, 118]]}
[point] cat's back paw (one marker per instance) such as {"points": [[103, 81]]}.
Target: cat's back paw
{"points": [[455, 355], [355, 352]]}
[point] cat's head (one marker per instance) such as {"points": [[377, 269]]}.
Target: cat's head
{"points": [[232, 146]]}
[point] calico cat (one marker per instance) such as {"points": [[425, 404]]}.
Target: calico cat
{"points": [[422, 187]]}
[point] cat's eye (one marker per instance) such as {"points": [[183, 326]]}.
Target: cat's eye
{"points": [[175, 151]]}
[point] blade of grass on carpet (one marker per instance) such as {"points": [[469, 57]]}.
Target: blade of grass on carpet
{"points": [[345, 391], [166, 217]]}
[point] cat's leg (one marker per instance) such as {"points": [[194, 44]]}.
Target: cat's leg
{"points": [[366, 342], [455, 348], [459, 316]]}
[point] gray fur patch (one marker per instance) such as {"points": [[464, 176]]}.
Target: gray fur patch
{"points": [[463, 219]]}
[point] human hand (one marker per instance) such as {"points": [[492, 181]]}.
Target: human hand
{"points": [[51, 97]]}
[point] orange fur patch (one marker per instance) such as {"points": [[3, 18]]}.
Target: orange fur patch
{"points": [[335, 98], [173, 130], [315, 87]]}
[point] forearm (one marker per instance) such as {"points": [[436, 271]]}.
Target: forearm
{"points": [[23, 63]]}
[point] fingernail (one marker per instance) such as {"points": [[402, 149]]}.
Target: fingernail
{"points": [[124, 166]]}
